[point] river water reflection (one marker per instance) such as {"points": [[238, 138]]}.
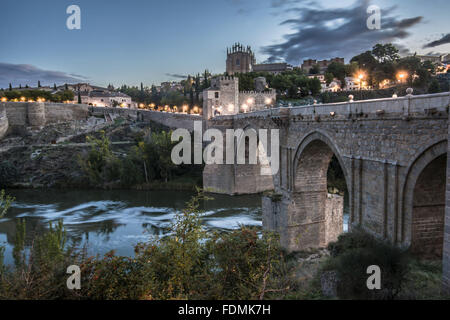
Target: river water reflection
{"points": [[118, 219]]}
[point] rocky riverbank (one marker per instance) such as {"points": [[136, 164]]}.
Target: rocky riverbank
{"points": [[47, 157]]}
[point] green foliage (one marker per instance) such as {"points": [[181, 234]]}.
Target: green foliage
{"points": [[40, 270], [36, 93], [191, 264], [434, 87], [5, 202], [100, 165], [354, 252], [8, 173]]}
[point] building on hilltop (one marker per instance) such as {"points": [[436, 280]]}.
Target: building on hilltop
{"points": [[307, 65], [241, 59], [224, 97], [109, 99]]}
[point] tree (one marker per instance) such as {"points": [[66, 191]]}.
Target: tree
{"points": [[339, 71], [39, 84], [315, 69], [385, 52], [328, 78], [10, 87], [54, 86], [365, 61], [434, 87]]}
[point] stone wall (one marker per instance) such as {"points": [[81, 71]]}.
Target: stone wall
{"points": [[171, 120], [446, 251], [25, 114], [38, 114], [3, 121]]}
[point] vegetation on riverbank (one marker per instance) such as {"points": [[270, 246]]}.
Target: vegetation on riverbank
{"points": [[147, 165], [190, 263]]}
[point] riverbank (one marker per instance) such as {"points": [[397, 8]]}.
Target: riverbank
{"points": [[50, 157]]}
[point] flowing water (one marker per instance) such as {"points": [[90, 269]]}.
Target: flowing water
{"points": [[119, 219]]}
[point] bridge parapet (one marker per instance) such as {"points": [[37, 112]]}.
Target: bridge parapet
{"points": [[402, 106]]}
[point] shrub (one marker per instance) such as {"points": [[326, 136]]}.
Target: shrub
{"points": [[8, 173], [354, 252]]}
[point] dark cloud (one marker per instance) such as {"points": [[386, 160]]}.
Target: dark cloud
{"points": [[175, 75], [28, 74], [323, 32], [444, 40]]}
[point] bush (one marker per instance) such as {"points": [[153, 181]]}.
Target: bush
{"points": [[8, 173], [354, 252]]}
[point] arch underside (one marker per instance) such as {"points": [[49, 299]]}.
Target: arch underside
{"points": [[424, 202], [315, 217]]}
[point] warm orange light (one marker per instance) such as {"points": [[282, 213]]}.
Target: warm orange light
{"points": [[244, 107], [250, 100], [4, 99], [268, 101], [23, 99], [401, 76]]}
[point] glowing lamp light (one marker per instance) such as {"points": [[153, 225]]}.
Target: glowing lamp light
{"points": [[250, 101], [4, 99], [231, 107], [123, 105], [30, 100], [23, 99], [244, 107], [401, 76], [141, 106], [268, 101]]}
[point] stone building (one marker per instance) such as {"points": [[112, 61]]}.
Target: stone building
{"points": [[100, 98], [307, 65], [241, 59], [224, 97]]}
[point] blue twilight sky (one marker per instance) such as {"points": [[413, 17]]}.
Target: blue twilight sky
{"points": [[149, 41]]}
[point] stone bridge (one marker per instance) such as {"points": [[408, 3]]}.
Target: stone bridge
{"points": [[393, 153]]}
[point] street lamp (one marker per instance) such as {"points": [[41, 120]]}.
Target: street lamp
{"points": [[401, 76]]}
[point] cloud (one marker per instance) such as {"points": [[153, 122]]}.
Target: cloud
{"points": [[28, 74], [176, 75], [444, 40], [339, 32]]}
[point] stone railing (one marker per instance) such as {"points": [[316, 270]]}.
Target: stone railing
{"points": [[402, 106]]}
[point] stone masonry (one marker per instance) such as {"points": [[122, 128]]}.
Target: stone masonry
{"points": [[393, 153]]}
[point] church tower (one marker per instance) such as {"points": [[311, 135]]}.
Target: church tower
{"points": [[240, 59]]}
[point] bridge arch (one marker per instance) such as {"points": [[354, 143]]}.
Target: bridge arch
{"points": [[315, 217], [423, 205]]}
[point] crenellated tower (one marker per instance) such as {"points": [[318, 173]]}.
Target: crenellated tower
{"points": [[240, 59]]}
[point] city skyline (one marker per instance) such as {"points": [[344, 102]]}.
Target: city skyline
{"points": [[152, 42]]}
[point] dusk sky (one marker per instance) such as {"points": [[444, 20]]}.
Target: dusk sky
{"points": [[133, 41]]}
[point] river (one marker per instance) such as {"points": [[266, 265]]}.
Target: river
{"points": [[119, 219]]}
